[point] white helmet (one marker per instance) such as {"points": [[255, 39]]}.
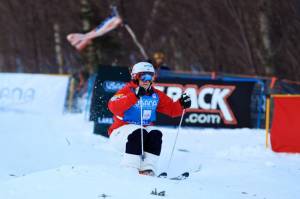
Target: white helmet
{"points": [[141, 67]]}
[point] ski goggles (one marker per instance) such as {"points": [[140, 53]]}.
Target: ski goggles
{"points": [[145, 76]]}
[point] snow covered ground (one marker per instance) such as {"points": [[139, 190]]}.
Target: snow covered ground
{"points": [[59, 157]]}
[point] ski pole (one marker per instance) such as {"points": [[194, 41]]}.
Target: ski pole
{"points": [[142, 134], [179, 126]]}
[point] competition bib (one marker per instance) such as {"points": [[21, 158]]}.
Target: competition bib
{"points": [[148, 104]]}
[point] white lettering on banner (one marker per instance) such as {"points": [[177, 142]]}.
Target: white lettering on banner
{"points": [[113, 86], [161, 88], [174, 92], [16, 95], [105, 120], [32, 93], [203, 118], [206, 99]]}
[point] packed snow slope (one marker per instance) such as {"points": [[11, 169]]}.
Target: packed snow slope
{"points": [[59, 157]]}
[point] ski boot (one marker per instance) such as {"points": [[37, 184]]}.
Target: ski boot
{"points": [[147, 172]]}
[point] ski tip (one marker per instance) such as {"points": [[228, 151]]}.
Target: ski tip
{"points": [[186, 174], [182, 176], [162, 175]]}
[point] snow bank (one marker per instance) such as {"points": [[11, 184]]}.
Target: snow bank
{"points": [[59, 157]]}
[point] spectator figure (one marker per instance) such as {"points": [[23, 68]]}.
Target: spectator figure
{"points": [[80, 91], [159, 61], [82, 83]]}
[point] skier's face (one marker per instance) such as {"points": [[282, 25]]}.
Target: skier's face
{"points": [[145, 79], [145, 84]]}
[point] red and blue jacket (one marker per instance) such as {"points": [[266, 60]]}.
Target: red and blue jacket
{"points": [[126, 107]]}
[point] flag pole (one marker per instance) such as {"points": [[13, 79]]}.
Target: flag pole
{"points": [[136, 42], [267, 120]]}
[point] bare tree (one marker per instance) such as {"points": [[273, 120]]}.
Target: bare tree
{"points": [[247, 37]]}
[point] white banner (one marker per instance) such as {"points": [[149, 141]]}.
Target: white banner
{"points": [[32, 93]]}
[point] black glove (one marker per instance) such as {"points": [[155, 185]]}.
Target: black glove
{"points": [[140, 91], [185, 101]]}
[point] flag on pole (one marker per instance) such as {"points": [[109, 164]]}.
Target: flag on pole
{"points": [[80, 41]]}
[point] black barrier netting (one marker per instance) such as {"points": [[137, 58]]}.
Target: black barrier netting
{"points": [[280, 87], [258, 100], [284, 87]]}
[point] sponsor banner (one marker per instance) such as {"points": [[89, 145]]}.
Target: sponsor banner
{"points": [[215, 103], [32, 93]]}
